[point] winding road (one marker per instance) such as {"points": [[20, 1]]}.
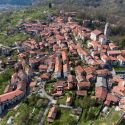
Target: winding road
{"points": [[43, 93]]}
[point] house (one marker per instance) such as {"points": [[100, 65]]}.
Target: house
{"points": [[105, 59], [114, 53], [80, 78], [79, 70], [33, 86], [91, 78], [103, 39], [69, 101], [83, 85], [82, 53], [101, 93], [43, 68], [119, 91], [112, 46], [111, 99], [95, 34], [58, 67], [33, 63], [60, 85], [45, 76], [122, 103], [9, 99], [121, 60], [94, 45], [103, 72], [52, 114], [71, 80]]}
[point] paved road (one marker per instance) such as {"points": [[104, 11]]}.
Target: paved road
{"points": [[45, 114], [43, 93]]}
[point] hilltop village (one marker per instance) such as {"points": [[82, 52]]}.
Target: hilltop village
{"points": [[69, 64]]}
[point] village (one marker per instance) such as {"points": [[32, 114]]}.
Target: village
{"points": [[74, 67]]}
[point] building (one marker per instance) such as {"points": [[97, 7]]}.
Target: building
{"points": [[52, 114], [10, 98], [95, 35]]}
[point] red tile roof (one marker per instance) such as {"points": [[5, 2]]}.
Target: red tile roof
{"points": [[97, 32], [101, 92], [10, 95], [83, 84]]}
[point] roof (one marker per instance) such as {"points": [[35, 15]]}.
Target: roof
{"points": [[52, 113], [114, 52], [103, 72], [96, 32], [89, 69], [84, 84], [102, 36], [121, 58], [101, 92], [10, 95], [59, 84], [33, 84], [111, 98], [45, 76], [71, 78], [43, 67], [120, 90], [79, 69]]}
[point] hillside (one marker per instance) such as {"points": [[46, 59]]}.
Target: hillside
{"points": [[16, 2], [111, 10]]}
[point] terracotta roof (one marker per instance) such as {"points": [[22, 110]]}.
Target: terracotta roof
{"points": [[45, 76], [114, 52], [79, 69], [97, 32], [120, 90], [121, 58], [111, 98], [89, 69], [43, 67], [101, 92], [33, 84], [84, 84], [10, 95], [52, 113]]}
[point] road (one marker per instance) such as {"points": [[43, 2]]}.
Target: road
{"points": [[45, 114], [43, 93]]}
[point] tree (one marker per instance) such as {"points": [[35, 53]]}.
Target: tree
{"points": [[71, 121]]}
